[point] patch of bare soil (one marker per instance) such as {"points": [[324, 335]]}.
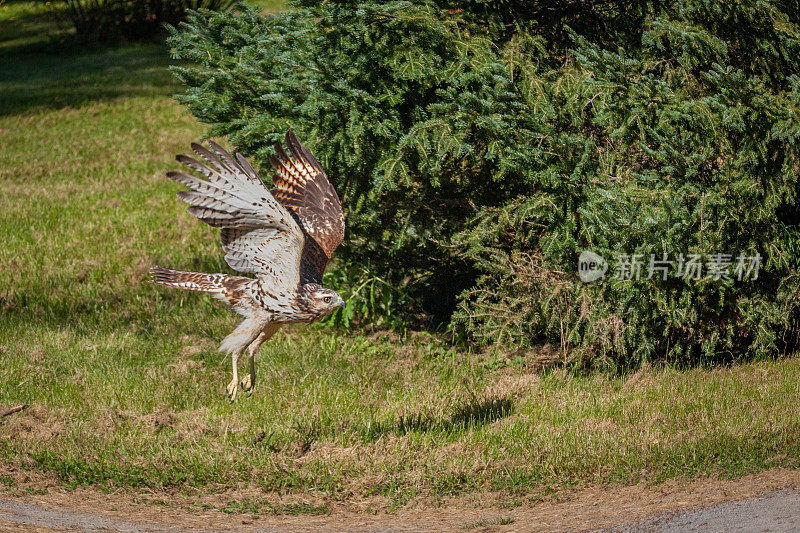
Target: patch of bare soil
{"points": [[589, 509]]}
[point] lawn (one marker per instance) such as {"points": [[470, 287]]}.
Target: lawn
{"points": [[126, 387]]}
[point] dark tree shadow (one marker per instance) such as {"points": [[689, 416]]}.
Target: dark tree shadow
{"points": [[77, 77], [45, 64]]}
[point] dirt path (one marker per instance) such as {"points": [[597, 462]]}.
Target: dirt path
{"points": [[769, 501]]}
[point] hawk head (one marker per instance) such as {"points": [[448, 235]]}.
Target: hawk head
{"points": [[318, 301]]}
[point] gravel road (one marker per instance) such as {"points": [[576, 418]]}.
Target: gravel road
{"points": [[774, 511]]}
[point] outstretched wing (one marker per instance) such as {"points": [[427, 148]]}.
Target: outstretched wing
{"points": [[303, 188], [259, 235]]}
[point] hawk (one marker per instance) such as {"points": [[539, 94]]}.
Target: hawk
{"points": [[284, 236]]}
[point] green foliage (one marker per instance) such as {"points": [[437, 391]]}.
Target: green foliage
{"points": [[692, 141], [479, 147], [371, 301], [107, 20]]}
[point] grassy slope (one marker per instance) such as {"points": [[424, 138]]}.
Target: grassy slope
{"points": [[126, 385]]}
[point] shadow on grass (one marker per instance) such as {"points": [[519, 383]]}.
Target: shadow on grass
{"points": [[28, 26], [471, 413], [481, 412], [44, 64], [80, 76]]}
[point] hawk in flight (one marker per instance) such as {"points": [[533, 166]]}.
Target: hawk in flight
{"points": [[284, 236]]}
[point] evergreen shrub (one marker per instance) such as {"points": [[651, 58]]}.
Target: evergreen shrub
{"points": [[480, 146]]}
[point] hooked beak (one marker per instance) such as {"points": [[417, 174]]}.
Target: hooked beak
{"points": [[341, 303]]}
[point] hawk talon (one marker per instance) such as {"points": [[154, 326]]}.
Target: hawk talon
{"points": [[247, 384], [231, 390]]}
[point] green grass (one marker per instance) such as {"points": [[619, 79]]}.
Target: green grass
{"points": [[126, 385]]}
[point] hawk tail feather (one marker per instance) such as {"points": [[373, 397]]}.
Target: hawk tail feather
{"points": [[194, 281]]}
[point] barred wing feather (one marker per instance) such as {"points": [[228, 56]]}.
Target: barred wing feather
{"points": [[259, 235], [303, 188]]}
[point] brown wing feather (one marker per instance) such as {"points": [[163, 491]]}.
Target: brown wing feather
{"points": [[303, 188]]}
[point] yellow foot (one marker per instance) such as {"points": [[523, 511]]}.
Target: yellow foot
{"points": [[247, 384], [232, 388]]}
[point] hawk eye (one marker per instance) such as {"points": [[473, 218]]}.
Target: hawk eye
{"points": [[327, 299]]}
